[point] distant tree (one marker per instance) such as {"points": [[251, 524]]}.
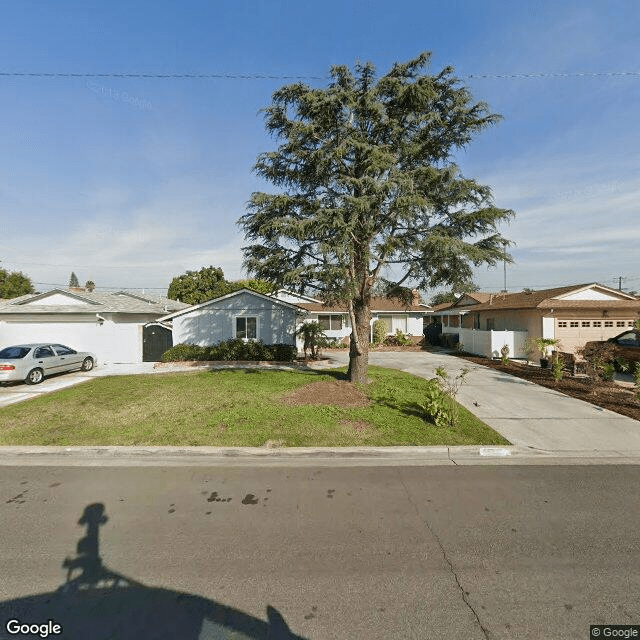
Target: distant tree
{"points": [[442, 297], [89, 285], [73, 280], [452, 296], [195, 287], [14, 284], [256, 284], [365, 186]]}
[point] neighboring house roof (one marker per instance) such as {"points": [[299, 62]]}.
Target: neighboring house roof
{"points": [[442, 306], [560, 298], [282, 294], [195, 307], [377, 304], [63, 301]]}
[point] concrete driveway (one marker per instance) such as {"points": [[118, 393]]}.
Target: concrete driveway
{"points": [[525, 413]]}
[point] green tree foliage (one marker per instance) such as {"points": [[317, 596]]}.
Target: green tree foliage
{"points": [[14, 284], [73, 280], [195, 287], [367, 188], [90, 285], [450, 296]]}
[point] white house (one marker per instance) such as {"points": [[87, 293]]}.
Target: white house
{"points": [[117, 327], [242, 314], [395, 313]]}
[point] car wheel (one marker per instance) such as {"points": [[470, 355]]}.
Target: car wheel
{"points": [[35, 376], [87, 365]]}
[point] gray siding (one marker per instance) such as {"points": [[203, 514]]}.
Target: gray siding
{"points": [[216, 321]]}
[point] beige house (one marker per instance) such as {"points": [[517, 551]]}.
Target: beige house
{"points": [[573, 315]]}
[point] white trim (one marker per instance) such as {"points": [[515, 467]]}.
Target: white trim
{"points": [[235, 326], [195, 307]]}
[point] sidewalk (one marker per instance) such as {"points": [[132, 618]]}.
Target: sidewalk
{"points": [[527, 414]]}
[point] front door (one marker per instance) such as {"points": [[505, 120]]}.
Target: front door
{"points": [[156, 339]]}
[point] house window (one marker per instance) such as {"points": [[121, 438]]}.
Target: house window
{"points": [[393, 323], [573, 324], [331, 322], [399, 322], [597, 323], [491, 324], [620, 323], [586, 324], [608, 323], [247, 328], [562, 324]]}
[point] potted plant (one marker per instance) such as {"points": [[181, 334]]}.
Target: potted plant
{"points": [[543, 345]]}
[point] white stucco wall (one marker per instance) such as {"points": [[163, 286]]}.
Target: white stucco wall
{"points": [[111, 341]]}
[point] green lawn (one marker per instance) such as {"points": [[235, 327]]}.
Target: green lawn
{"points": [[231, 408]]}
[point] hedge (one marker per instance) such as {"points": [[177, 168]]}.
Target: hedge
{"points": [[235, 349]]}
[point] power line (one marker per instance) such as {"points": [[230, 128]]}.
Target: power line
{"points": [[258, 76], [65, 286], [161, 76]]}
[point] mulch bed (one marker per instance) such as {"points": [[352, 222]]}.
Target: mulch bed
{"points": [[336, 392], [607, 395]]}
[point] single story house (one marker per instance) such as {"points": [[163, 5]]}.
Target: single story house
{"points": [[242, 314], [116, 326], [574, 315], [334, 319]]}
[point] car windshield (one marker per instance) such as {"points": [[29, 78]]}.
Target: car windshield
{"points": [[14, 353]]}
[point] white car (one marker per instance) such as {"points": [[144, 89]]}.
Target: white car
{"points": [[33, 362]]}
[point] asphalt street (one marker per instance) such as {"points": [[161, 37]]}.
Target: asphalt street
{"points": [[474, 552]]}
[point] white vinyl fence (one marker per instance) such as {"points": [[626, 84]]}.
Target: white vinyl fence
{"points": [[489, 343]]}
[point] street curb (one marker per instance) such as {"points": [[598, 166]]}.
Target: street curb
{"points": [[304, 456]]}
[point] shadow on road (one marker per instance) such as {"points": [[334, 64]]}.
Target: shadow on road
{"points": [[96, 603]]}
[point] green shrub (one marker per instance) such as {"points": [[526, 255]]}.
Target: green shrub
{"points": [[235, 349], [450, 385], [436, 406], [379, 332], [504, 354], [398, 340], [621, 364], [607, 371], [557, 367]]}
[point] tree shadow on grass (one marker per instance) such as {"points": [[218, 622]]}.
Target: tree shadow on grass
{"points": [[96, 603], [412, 409]]}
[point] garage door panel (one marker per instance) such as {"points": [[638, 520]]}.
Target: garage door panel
{"points": [[110, 342], [574, 337]]}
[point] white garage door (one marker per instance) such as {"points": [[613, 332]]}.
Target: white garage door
{"points": [[111, 342], [574, 333]]}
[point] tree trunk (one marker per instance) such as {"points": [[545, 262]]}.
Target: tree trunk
{"points": [[359, 362]]}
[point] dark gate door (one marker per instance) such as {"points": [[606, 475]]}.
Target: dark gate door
{"points": [[156, 339]]}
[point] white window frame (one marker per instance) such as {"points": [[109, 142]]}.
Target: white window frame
{"points": [[245, 317], [334, 317]]}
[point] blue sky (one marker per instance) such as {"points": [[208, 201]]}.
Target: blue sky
{"points": [[129, 182]]}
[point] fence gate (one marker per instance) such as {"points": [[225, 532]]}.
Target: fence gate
{"points": [[156, 339]]}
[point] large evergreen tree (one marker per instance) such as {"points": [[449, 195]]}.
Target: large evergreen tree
{"points": [[73, 280], [367, 189]]}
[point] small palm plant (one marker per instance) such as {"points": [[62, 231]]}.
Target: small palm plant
{"points": [[312, 333], [544, 345]]}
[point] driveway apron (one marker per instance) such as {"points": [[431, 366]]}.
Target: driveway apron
{"points": [[525, 413]]}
